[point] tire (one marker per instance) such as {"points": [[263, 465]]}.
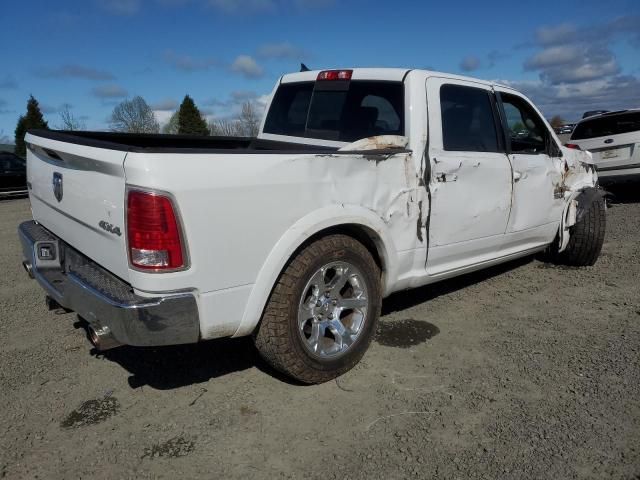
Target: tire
{"points": [[586, 237], [316, 349]]}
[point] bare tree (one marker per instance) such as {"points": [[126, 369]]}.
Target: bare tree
{"points": [[68, 120], [226, 128], [249, 120], [245, 124], [134, 116], [557, 121]]}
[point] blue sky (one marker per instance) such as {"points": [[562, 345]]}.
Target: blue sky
{"points": [[568, 56]]}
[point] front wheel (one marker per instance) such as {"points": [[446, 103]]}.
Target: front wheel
{"points": [[586, 237], [323, 311]]}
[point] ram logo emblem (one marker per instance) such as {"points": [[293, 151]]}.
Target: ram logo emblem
{"points": [[57, 186]]}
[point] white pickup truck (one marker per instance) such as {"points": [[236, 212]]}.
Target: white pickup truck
{"points": [[361, 182]]}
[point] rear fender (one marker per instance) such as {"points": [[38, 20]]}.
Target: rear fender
{"points": [[308, 226]]}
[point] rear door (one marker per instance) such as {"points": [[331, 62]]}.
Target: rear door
{"points": [[78, 193], [537, 172], [470, 175]]}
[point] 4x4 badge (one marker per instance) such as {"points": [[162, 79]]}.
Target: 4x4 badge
{"points": [[57, 186]]}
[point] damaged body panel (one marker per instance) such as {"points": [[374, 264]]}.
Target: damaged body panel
{"points": [[435, 174]]}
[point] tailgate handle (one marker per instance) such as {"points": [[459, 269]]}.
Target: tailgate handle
{"points": [[609, 140], [52, 154]]}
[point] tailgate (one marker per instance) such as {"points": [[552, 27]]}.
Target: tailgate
{"points": [[77, 192]]}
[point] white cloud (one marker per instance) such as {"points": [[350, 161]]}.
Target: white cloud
{"points": [[74, 71], [247, 66], [8, 82], [110, 91], [553, 35], [470, 63], [162, 116], [284, 50], [187, 63], [166, 105], [573, 63], [553, 56], [572, 100], [578, 69]]}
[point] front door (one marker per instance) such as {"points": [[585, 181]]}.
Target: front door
{"points": [[537, 173], [470, 180]]}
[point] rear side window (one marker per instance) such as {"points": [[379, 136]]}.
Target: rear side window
{"points": [[345, 111], [607, 125], [289, 109], [468, 123]]}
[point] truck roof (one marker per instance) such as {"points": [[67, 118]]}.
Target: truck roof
{"points": [[388, 74]]}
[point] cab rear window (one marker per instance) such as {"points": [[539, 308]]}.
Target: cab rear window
{"points": [[607, 125], [340, 111]]}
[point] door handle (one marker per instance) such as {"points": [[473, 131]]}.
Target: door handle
{"points": [[517, 175], [446, 177]]}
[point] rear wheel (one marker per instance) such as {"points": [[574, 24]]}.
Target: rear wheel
{"points": [[586, 237], [323, 311]]}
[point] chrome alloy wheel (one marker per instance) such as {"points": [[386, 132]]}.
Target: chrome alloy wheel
{"points": [[333, 310]]}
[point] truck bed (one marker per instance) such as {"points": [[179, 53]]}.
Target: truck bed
{"points": [[162, 143]]}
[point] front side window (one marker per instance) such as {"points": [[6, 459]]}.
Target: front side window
{"points": [[468, 123], [526, 131], [342, 112]]}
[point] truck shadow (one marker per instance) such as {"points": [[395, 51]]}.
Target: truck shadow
{"points": [[167, 368]]}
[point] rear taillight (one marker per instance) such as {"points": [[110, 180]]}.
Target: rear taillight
{"points": [[572, 145], [335, 75], [153, 232]]}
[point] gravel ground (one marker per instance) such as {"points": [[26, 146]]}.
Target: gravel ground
{"points": [[523, 371]]}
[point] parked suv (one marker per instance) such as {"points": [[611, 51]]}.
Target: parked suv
{"points": [[614, 141]]}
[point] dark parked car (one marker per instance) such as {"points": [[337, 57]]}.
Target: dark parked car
{"points": [[568, 128], [13, 175]]}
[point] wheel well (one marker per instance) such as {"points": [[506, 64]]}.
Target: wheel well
{"points": [[362, 234], [366, 236]]}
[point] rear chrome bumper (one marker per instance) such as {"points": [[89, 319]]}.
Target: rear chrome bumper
{"points": [[107, 303]]}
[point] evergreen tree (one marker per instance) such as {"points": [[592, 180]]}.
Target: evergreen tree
{"points": [[190, 121], [32, 119]]}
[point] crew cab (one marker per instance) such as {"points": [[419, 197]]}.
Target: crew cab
{"points": [[361, 182]]}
